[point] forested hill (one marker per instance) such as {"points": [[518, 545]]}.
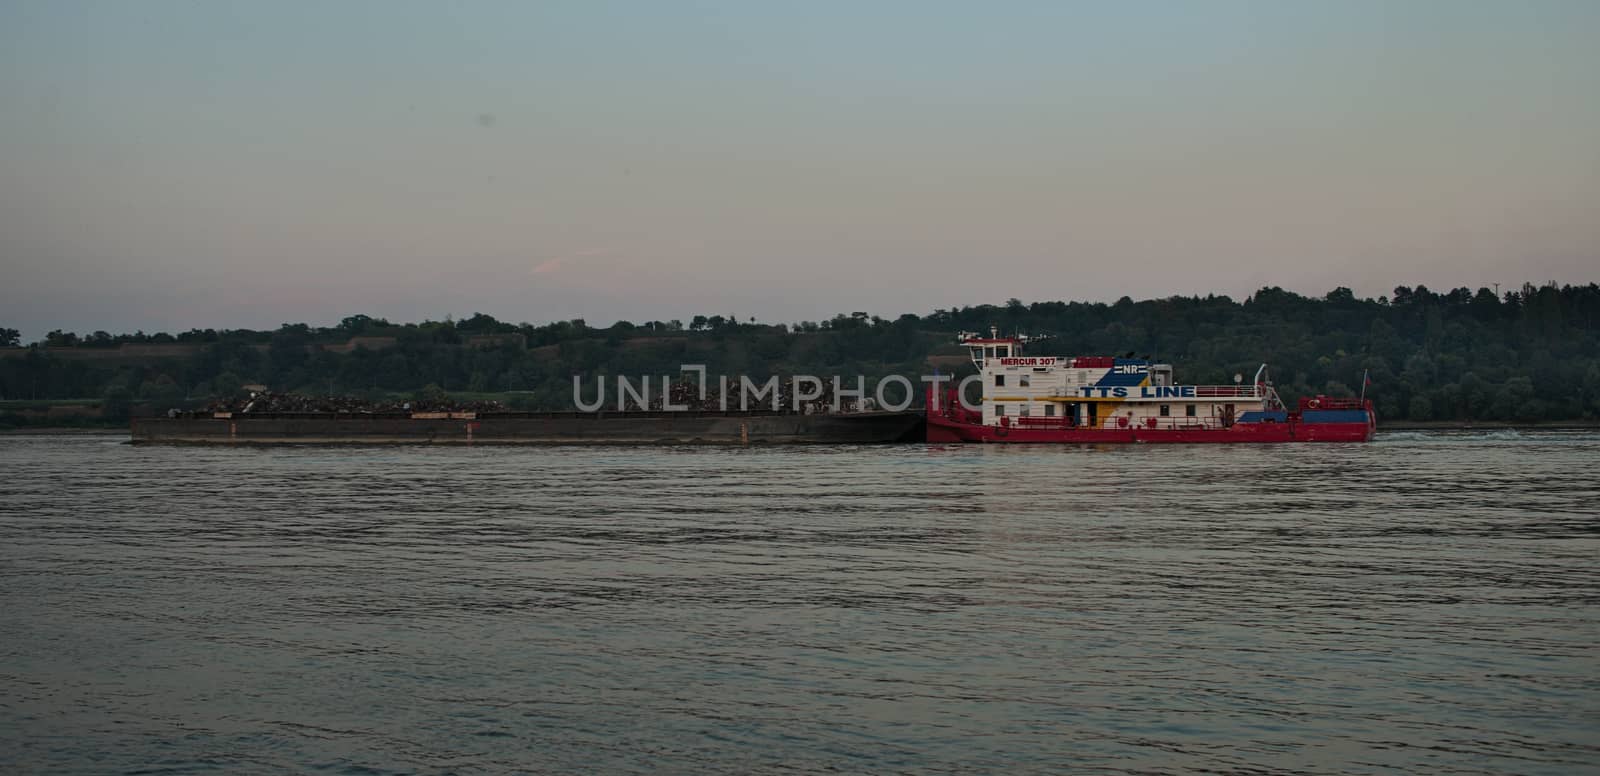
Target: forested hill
{"points": [[1528, 354]]}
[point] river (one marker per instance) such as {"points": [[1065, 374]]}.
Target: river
{"points": [[1429, 602]]}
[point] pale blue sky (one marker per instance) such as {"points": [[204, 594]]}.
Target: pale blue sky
{"points": [[167, 165]]}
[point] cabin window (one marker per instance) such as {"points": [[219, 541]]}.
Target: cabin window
{"points": [[1022, 381], [1166, 410], [1188, 409], [1000, 380], [999, 409], [1024, 411], [1049, 410]]}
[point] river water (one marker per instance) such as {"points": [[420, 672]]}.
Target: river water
{"points": [[1429, 602]]}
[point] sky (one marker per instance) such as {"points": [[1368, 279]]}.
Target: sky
{"points": [[167, 165]]}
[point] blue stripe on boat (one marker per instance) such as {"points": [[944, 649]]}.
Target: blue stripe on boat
{"points": [[1333, 416]]}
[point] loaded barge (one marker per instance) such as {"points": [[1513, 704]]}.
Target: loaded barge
{"points": [[1050, 399], [531, 428]]}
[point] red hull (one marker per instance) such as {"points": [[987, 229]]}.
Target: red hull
{"points": [[943, 429]]}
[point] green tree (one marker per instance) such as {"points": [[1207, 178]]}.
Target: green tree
{"points": [[162, 390], [1591, 389], [226, 385], [1513, 400], [1546, 335], [116, 402], [356, 325]]}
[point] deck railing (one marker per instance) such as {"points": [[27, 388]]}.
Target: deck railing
{"points": [[1228, 392], [1123, 423], [1183, 423], [1115, 423]]}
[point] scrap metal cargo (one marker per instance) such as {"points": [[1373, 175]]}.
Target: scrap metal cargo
{"points": [[531, 428]]}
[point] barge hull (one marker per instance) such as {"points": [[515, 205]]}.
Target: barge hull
{"points": [[550, 429], [1244, 433]]}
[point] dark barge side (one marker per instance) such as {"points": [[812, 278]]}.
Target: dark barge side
{"points": [[532, 428]]}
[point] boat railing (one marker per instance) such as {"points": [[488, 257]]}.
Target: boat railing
{"points": [[1168, 424], [1122, 423], [1228, 392]]}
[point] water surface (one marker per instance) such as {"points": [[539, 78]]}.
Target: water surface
{"points": [[1427, 602]]}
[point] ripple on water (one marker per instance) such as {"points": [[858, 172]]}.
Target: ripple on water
{"points": [[1426, 602]]}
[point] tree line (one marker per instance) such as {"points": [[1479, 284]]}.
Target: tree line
{"points": [[1529, 354]]}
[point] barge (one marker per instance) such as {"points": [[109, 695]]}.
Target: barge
{"points": [[531, 428], [1077, 400]]}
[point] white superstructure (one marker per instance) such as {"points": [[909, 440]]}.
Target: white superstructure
{"points": [[1103, 391]]}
